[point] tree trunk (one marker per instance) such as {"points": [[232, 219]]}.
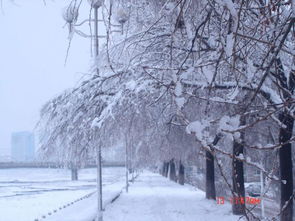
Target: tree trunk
{"points": [[162, 169], [285, 153], [74, 173], [238, 206], [210, 179], [181, 174], [166, 167], [172, 171]]}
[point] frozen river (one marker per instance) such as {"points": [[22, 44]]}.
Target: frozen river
{"points": [[26, 194]]}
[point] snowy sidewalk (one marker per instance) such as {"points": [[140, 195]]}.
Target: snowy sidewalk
{"points": [[155, 198], [86, 209]]}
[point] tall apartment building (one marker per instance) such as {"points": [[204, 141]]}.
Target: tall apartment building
{"points": [[22, 146]]}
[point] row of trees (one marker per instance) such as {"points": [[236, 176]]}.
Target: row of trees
{"points": [[188, 79]]}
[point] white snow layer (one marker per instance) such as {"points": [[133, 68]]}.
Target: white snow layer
{"points": [[29, 194], [199, 129], [153, 197], [229, 44]]}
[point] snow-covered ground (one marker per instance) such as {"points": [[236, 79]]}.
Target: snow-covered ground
{"points": [[49, 195], [86, 209], [27, 194], [155, 198]]}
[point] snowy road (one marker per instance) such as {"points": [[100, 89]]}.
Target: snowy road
{"points": [[27, 194], [155, 198]]}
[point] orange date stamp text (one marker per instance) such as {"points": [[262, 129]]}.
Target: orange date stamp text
{"points": [[239, 200]]}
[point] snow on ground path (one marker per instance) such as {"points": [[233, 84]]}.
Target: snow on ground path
{"points": [[30, 193], [155, 198], [86, 210]]}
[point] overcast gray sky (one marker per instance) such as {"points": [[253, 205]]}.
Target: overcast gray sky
{"points": [[33, 46]]}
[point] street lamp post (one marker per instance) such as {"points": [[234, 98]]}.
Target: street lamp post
{"points": [[126, 168], [122, 17], [262, 194], [70, 15], [99, 185], [96, 4]]}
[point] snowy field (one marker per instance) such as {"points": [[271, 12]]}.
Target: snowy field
{"points": [[27, 194]]}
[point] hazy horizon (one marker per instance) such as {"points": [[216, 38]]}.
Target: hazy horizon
{"points": [[33, 48]]}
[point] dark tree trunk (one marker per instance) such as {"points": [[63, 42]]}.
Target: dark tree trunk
{"points": [[238, 207], [285, 152], [210, 179], [286, 173], [162, 169], [172, 171], [238, 177], [166, 168], [74, 173], [181, 174]]}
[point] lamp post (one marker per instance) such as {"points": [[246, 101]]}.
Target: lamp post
{"points": [[262, 194], [126, 168], [99, 185], [96, 4], [122, 17], [70, 15]]}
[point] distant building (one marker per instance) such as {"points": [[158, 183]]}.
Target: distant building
{"points": [[22, 146]]}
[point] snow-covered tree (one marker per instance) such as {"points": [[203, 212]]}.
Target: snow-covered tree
{"points": [[215, 70]]}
